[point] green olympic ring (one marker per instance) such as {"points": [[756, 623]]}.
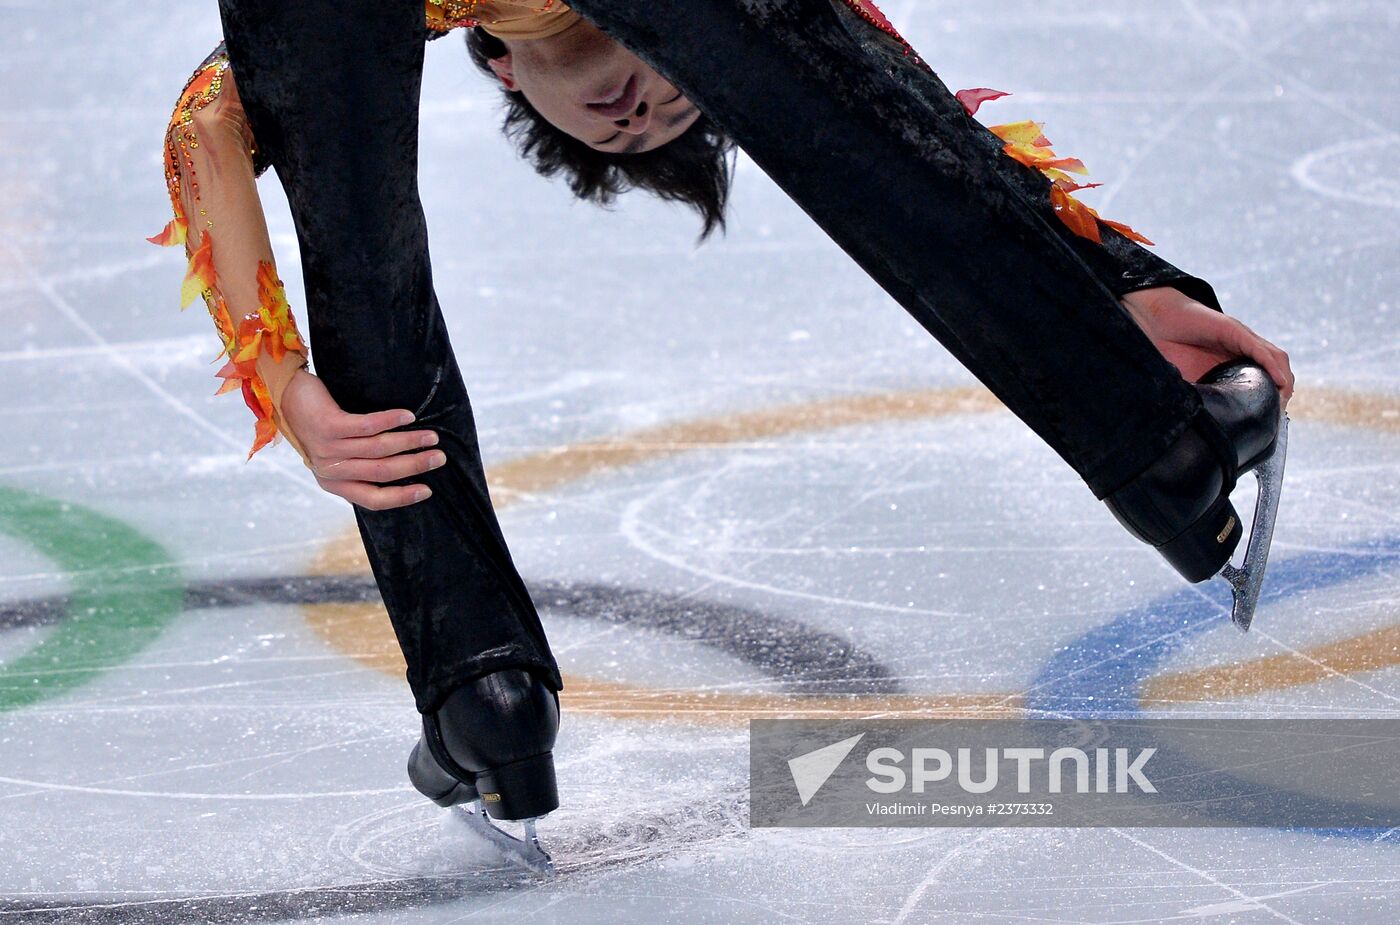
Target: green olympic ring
{"points": [[125, 589]]}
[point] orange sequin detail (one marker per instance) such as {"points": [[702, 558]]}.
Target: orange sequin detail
{"points": [[446, 15], [271, 330], [200, 90]]}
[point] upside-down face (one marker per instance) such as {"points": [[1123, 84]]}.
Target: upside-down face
{"points": [[588, 86]]}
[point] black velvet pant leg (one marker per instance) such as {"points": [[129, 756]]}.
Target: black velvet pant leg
{"points": [[878, 152], [331, 90], [1120, 264]]}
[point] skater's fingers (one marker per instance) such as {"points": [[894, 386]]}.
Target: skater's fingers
{"points": [[1274, 360], [382, 445], [1281, 371], [376, 497], [1236, 339], [347, 425], [382, 470]]}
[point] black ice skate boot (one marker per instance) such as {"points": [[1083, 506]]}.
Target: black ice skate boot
{"points": [[1181, 504], [490, 745]]}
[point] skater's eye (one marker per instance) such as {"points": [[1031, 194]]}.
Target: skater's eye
{"points": [[680, 117]]}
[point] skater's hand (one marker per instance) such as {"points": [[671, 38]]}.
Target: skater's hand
{"points": [[1195, 338], [351, 454]]}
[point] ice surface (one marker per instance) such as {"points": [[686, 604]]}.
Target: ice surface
{"points": [[235, 765]]}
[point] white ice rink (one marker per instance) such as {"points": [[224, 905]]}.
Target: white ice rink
{"points": [[198, 723]]}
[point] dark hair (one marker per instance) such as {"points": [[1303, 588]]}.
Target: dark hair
{"points": [[693, 169]]}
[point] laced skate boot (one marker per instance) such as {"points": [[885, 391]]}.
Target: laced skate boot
{"points": [[490, 746], [1181, 504]]}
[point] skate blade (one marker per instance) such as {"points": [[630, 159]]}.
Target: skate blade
{"points": [[524, 852], [1247, 580]]}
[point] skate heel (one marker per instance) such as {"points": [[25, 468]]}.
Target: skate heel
{"points": [[1205, 547], [523, 789], [496, 733], [495, 737]]}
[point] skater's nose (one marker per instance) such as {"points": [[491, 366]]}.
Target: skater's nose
{"points": [[636, 122]]}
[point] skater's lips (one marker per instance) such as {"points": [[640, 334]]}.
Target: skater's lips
{"points": [[617, 102]]}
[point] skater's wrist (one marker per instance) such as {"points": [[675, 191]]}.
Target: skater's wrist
{"points": [[279, 376], [1170, 279], [1164, 311], [265, 352]]}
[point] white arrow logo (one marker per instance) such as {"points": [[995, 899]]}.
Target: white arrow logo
{"points": [[813, 769]]}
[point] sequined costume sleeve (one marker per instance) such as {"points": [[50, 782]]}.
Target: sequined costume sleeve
{"points": [[209, 169]]}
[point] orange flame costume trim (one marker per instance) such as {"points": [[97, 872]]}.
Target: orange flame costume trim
{"points": [[1026, 143], [270, 331]]}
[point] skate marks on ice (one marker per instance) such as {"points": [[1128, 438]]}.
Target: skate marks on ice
{"points": [[586, 838], [375, 838], [411, 850], [1351, 171], [797, 659], [1106, 668], [794, 657]]}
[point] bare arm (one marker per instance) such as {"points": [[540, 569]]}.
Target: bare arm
{"points": [[219, 219]]}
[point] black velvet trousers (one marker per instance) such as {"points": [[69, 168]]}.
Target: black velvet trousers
{"points": [[863, 137]]}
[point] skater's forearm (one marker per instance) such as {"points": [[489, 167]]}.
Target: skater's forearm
{"points": [[219, 218]]}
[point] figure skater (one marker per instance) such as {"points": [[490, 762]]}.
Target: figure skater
{"points": [[1122, 363]]}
